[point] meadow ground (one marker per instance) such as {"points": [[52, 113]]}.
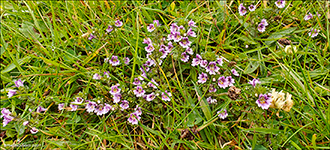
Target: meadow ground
{"points": [[165, 75]]}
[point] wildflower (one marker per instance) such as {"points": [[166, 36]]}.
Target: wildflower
{"points": [[151, 27], [212, 89], [25, 123], [166, 96], [109, 29], [116, 98], [41, 109], [11, 93], [191, 33], [91, 36], [264, 101], [220, 61], [147, 41], [134, 118], [212, 68], [97, 76], [185, 43], [107, 74], [313, 33], [138, 110], [211, 101], [5, 112], [288, 103], [107, 108], [242, 10], [150, 62], [90, 107], [126, 60], [114, 61], [156, 22], [153, 84], [196, 61], [73, 107], [34, 130], [261, 27], [7, 119], [254, 82], [222, 113], [308, 16], [191, 23], [202, 78], [189, 51], [139, 92], [222, 82], [177, 37], [60, 106], [118, 23], [230, 81], [288, 49], [235, 73], [170, 37], [185, 57], [174, 27], [136, 81], [164, 53], [115, 89], [279, 101], [99, 110], [124, 104], [252, 7], [150, 97], [280, 3], [204, 63], [264, 21], [19, 83]]}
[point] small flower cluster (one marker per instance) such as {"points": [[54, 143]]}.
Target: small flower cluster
{"points": [[264, 100], [8, 117], [118, 24], [262, 25], [114, 60], [135, 116], [280, 3], [279, 101], [242, 10], [11, 92]]}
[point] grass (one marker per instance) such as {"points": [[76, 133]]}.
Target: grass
{"points": [[46, 45]]}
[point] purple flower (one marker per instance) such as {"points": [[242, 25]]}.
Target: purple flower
{"points": [[97, 76], [153, 84], [264, 101], [150, 62], [313, 33], [11, 93], [202, 78], [73, 107], [7, 119], [166, 96], [138, 110], [149, 48], [191, 33], [118, 23], [5, 112], [78, 100], [264, 21], [252, 7], [134, 118], [177, 37], [211, 101], [25, 123], [242, 10], [139, 92], [107, 108], [261, 27], [156, 22], [34, 130], [254, 82], [222, 82], [235, 73], [189, 51], [204, 63], [151, 27], [126, 60], [116, 98], [170, 37], [91, 36], [114, 61], [220, 61], [191, 23], [136, 81], [280, 3], [109, 29], [41, 109], [115, 89], [60, 106], [124, 104], [212, 68], [164, 53], [230, 80], [174, 27], [107, 73], [99, 110], [147, 41], [90, 107], [150, 97], [222, 113], [19, 83], [196, 61], [212, 89], [184, 57], [185, 43]]}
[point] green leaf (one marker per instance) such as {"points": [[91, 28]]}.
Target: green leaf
{"points": [[277, 35], [19, 128], [260, 147], [253, 65], [13, 66]]}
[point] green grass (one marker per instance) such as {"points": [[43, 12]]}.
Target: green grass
{"points": [[46, 45]]}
